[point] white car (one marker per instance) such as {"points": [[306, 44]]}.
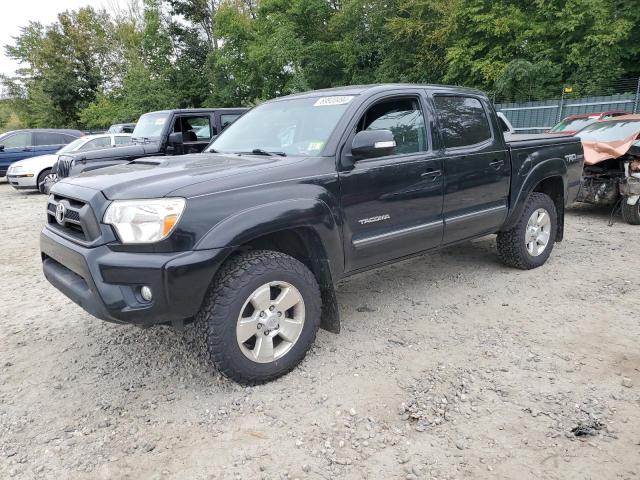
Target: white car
{"points": [[31, 173]]}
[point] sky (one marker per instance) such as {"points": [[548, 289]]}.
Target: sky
{"points": [[14, 14]]}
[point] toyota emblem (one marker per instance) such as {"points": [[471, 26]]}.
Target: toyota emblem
{"points": [[61, 210]]}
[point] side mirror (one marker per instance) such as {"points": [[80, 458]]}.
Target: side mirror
{"points": [[373, 143], [175, 138]]}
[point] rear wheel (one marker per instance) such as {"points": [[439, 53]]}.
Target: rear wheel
{"points": [[260, 316], [529, 243], [631, 213]]}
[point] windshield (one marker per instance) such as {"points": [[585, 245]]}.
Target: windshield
{"points": [[73, 146], [610, 130], [573, 124], [150, 126], [299, 127]]}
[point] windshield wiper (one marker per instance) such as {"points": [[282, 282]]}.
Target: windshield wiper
{"points": [[260, 151]]}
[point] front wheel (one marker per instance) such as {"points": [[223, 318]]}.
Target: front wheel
{"points": [[260, 316], [529, 243], [631, 213], [45, 177]]}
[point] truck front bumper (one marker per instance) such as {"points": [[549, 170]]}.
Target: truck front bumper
{"points": [[107, 283]]}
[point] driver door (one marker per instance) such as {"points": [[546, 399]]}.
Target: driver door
{"points": [[392, 204]]}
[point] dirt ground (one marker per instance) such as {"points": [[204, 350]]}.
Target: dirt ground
{"points": [[449, 366]]}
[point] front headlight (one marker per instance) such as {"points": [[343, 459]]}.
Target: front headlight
{"points": [[144, 221]]}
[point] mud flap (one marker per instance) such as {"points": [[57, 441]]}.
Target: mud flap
{"points": [[330, 320]]}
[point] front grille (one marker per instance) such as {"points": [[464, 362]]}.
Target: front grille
{"points": [[77, 221]]}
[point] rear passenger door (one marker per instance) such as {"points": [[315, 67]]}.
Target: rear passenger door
{"points": [[476, 166]]}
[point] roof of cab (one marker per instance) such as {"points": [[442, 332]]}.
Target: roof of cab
{"points": [[378, 87]]}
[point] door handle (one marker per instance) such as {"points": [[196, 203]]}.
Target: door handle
{"points": [[431, 173], [497, 165]]}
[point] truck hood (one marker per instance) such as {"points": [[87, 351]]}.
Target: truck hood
{"points": [[159, 176]]}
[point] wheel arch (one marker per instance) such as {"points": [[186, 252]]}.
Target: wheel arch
{"points": [[305, 229], [548, 177]]}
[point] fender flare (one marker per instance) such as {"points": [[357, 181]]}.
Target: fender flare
{"points": [[553, 167], [310, 214]]}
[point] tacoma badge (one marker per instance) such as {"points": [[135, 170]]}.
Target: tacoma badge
{"points": [[379, 218]]}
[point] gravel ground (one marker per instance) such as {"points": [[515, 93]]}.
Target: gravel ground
{"points": [[449, 366]]}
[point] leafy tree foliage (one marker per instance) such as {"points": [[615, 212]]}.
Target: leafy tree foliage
{"points": [[91, 68]]}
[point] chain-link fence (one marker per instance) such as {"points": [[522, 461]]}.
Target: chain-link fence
{"points": [[538, 115]]}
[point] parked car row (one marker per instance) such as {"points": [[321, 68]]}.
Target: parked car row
{"points": [[21, 144], [170, 132], [35, 172]]}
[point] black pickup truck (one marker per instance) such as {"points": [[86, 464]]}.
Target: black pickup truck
{"points": [[249, 238], [167, 132]]}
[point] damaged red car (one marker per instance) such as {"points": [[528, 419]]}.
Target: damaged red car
{"points": [[612, 165]]}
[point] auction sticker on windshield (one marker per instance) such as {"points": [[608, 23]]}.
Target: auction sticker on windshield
{"points": [[335, 100]]}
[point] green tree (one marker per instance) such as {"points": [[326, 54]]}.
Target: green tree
{"points": [[64, 65]]}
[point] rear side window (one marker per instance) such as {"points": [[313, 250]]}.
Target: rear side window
{"points": [[403, 117], [49, 138], [463, 121]]}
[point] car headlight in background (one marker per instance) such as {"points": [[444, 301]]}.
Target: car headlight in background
{"points": [[144, 221]]}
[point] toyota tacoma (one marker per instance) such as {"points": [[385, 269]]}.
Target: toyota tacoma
{"points": [[248, 238]]}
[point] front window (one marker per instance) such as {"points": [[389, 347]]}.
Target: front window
{"points": [[403, 117], [610, 131], [299, 126], [573, 124], [18, 140], [194, 129], [150, 126]]}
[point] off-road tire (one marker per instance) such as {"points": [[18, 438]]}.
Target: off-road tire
{"points": [[512, 249], [216, 321], [41, 178], [631, 213]]}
